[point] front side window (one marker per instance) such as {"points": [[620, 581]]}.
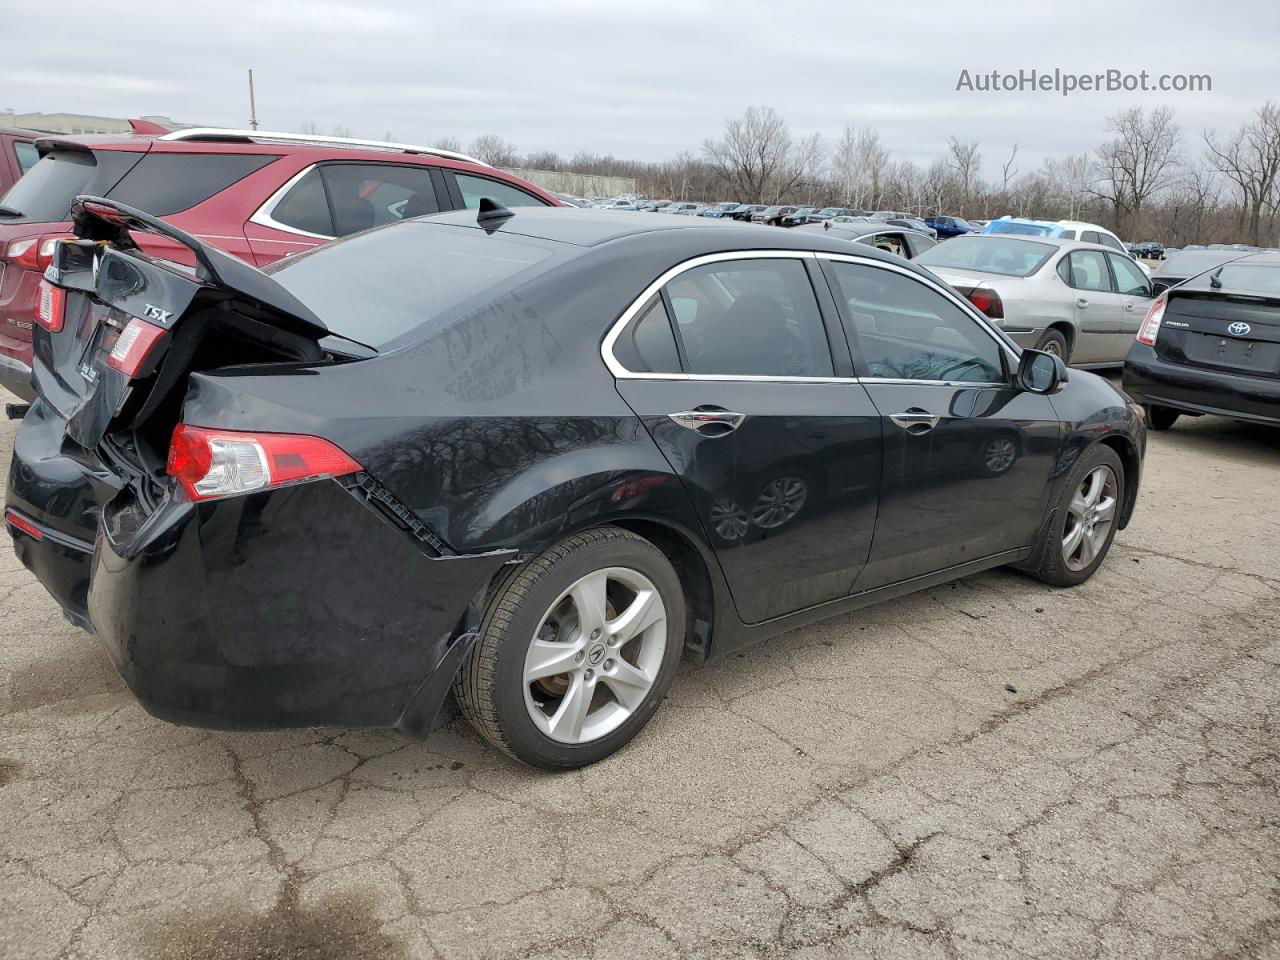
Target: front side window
{"points": [[889, 243], [750, 318], [501, 193], [1129, 279], [1089, 271], [905, 330]]}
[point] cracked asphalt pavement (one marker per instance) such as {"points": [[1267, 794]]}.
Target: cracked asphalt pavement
{"points": [[990, 769]]}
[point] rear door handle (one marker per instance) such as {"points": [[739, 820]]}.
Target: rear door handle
{"points": [[708, 421], [1081, 302], [915, 421]]}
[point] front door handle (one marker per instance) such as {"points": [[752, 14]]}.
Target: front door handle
{"points": [[708, 421], [1081, 302], [915, 421], [1130, 306]]}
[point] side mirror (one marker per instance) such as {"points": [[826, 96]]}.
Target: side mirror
{"points": [[1041, 372]]}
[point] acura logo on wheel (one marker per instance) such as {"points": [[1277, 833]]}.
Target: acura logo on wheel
{"points": [[1239, 329]]}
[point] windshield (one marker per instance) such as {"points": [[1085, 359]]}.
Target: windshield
{"points": [[376, 287], [1008, 258]]}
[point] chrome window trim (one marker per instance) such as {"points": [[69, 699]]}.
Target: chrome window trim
{"points": [[263, 215], [615, 331], [965, 307]]}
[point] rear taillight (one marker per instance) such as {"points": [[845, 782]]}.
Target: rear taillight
{"points": [[987, 301], [133, 346], [209, 464], [51, 306], [1150, 328], [35, 253]]}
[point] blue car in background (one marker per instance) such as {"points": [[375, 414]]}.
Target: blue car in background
{"points": [[950, 226]]}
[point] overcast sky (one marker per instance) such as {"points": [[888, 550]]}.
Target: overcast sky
{"points": [[637, 78]]}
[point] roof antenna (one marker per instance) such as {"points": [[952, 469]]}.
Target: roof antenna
{"points": [[491, 211]]}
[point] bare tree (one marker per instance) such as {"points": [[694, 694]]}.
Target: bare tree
{"points": [[493, 150], [1251, 161], [966, 161], [448, 143], [1008, 170], [754, 155], [342, 130], [310, 128], [1138, 162]]}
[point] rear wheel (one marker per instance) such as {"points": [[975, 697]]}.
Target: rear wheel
{"points": [[1084, 523], [1160, 418], [577, 650], [1055, 342]]}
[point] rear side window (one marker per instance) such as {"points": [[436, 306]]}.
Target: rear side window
{"points": [[379, 286], [364, 195], [750, 318], [501, 193], [45, 193], [648, 344], [168, 183], [305, 207], [28, 155], [1089, 271], [1089, 236]]}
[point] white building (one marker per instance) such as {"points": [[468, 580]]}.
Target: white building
{"points": [[79, 122]]}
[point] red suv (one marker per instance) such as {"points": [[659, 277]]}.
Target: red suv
{"points": [[260, 196]]}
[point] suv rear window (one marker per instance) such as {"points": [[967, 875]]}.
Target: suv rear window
{"points": [[45, 193], [378, 286], [168, 183]]}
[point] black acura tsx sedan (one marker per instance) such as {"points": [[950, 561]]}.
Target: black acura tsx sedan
{"points": [[530, 457]]}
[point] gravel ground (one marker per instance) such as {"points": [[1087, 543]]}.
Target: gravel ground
{"points": [[988, 769]]}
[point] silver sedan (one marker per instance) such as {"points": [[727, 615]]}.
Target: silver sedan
{"points": [[1082, 301]]}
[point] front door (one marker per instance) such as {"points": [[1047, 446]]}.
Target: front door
{"points": [[967, 456], [730, 367]]}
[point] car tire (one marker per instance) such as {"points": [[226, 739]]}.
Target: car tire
{"points": [[1161, 418], [1054, 341], [525, 616], [1059, 564]]}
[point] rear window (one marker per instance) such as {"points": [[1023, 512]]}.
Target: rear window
{"points": [[45, 192], [988, 254], [167, 183], [28, 155], [1258, 278], [376, 287], [1024, 229]]}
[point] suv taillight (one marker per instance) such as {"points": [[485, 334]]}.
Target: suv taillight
{"points": [[210, 464], [35, 253], [1150, 328], [51, 306]]}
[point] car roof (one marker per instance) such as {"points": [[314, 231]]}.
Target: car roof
{"points": [[590, 228], [854, 229]]}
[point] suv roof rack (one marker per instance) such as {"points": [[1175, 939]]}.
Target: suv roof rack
{"points": [[221, 134]]}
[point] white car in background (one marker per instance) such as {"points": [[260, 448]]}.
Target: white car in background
{"points": [[1081, 301]]}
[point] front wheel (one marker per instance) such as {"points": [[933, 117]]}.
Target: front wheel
{"points": [[577, 650], [1084, 523]]}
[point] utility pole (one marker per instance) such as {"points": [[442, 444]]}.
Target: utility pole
{"points": [[253, 107]]}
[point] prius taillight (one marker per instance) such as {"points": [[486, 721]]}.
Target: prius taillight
{"points": [[1150, 328], [51, 306], [209, 464]]}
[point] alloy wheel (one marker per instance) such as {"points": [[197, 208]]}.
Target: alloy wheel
{"points": [[1090, 514], [595, 655]]}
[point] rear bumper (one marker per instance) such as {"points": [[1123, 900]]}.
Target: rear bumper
{"points": [[296, 607], [1150, 380]]}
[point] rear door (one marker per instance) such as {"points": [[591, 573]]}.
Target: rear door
{"points": [[967, 455], [729, 363], [1098, 308]]}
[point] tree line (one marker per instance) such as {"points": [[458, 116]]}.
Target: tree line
{"points": [[1147, 179]]}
